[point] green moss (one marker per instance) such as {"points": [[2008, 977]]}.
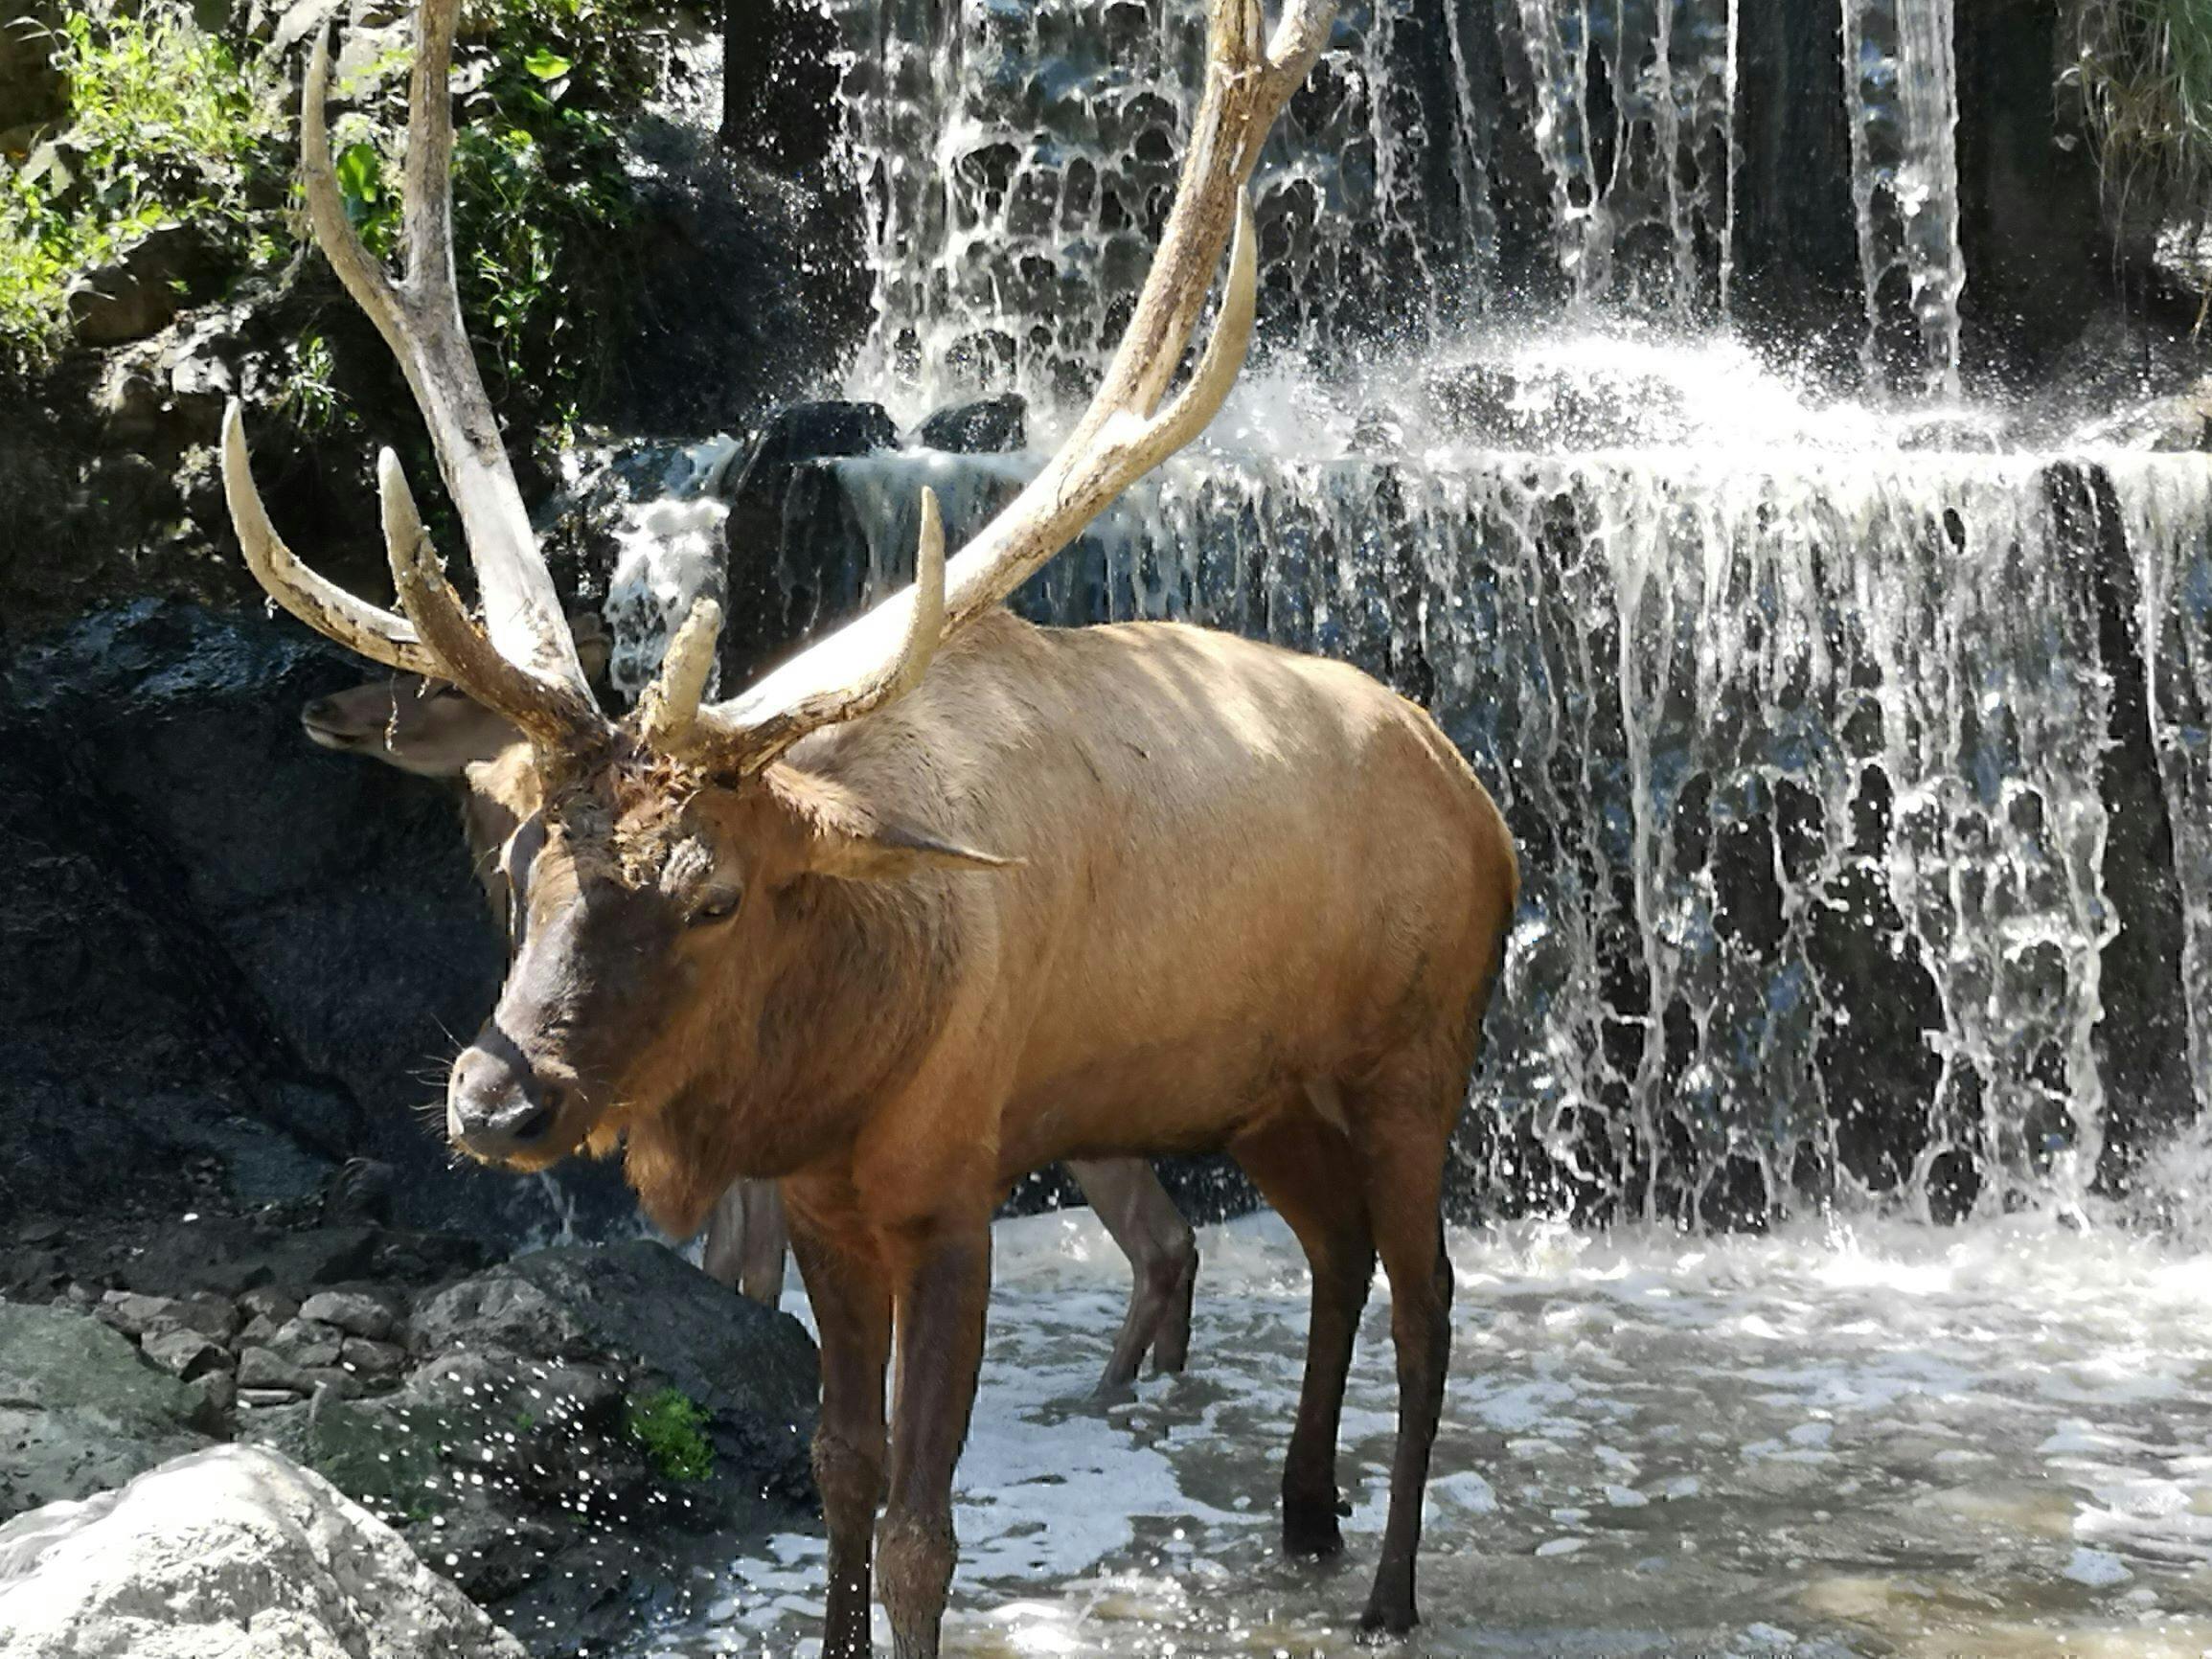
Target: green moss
{"points": [[669, 1426]]}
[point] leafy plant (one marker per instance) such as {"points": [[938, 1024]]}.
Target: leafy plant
{"points": [[669, 1426], [169, 126], [2145, 69], [540, 196]]}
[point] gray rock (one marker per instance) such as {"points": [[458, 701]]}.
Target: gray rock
{"points": [[235, 1552], [354, 1312], [142, 289], [79, 1412], [307, 1342], [260, 1330], [263, 1367], [186, 1353], [135, 1315], [372, 1359], [264, 1302]]}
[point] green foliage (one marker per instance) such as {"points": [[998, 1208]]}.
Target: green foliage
{"points": [[169, 126], [2145, 68], [540, 199], [669, 1426]]}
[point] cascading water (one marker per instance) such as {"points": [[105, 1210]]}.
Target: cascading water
{"points": [[1901, 84]]}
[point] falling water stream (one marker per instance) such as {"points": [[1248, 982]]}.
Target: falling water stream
{"points": [[1830, 1211]]}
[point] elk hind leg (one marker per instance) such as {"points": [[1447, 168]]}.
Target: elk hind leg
{"points": [[745, 1240], [853, 1312], [945, 1288], [1163, 1255], [1402, 1125], [1297, 1160]]}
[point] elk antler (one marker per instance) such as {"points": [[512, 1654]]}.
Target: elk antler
{"points": [[1124, 434], [541, 685]]}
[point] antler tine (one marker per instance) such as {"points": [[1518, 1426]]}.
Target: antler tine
{"points": [[1122, 435], [556, 723], [420, 318], [321, 603]]}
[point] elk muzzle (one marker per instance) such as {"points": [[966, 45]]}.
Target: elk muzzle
{"points": [[502, 1110]]}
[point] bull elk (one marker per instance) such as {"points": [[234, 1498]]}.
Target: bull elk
{"points": [[948, 897], [436, 730]]}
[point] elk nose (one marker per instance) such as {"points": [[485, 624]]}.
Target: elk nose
{"points": [[496, 1108]]}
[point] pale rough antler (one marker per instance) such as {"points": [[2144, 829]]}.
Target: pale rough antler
{"points": [[1124, 434], [543, 686], [322, 604]]}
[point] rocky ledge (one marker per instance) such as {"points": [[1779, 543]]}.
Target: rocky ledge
{"points": [[556, 1434]]}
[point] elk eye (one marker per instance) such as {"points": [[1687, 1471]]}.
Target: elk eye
{"points": [[718, 906]]}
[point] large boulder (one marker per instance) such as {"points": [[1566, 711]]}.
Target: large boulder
{"points": [[79, 1410], [232, 1553], [664, 1324]]}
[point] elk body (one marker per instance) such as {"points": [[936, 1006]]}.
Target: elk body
{"points": [[435, 730], [948, 897]]}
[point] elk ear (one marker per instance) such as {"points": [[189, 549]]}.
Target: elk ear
{"points": [[852, 839]]}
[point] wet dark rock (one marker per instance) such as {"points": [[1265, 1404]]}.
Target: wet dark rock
{"points": [[751, 1368], [256, 976], [360, 1192], [372, 1360], [79, 1411], [987, 427], [307, 1342]]}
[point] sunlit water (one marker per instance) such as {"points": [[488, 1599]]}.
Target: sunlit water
{"points": [[1831, 1440]]}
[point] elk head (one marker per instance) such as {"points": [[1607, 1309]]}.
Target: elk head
{"points": [[674, 851], [429, 727]]}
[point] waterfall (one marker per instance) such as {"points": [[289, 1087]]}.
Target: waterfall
{"points": [[1018, 163], [1634, 122], [1901, 85]]}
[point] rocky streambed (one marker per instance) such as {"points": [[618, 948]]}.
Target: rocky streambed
{"points": [[553, 1434]]}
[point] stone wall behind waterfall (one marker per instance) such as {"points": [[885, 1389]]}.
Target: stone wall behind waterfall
{"points": [[1860, 799]]}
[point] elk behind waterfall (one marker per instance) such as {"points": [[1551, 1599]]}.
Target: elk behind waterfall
{"points": [[949, 896]]}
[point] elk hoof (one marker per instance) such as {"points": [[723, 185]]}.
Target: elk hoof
{"points": [[1383, 1623], [1311, 1532]]}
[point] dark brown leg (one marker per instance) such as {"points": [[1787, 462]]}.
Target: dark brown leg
{"points": [[940, 1335], [1298, 1162], [852, 1312], [1404, 1133], [1163, 1265]]}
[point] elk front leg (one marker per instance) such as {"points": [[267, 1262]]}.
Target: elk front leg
{"points": [[1163, 1255], [852, 1312], [947, 1285]]}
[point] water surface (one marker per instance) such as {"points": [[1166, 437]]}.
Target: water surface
{"points": [[1875, 1439]]}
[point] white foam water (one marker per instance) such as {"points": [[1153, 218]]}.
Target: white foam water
{"points": [[1829, 1440]]}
